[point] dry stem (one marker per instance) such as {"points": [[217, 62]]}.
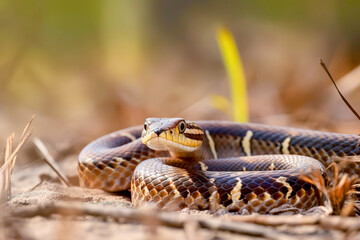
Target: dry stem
{"points": [[9, 161], [50, 161]]}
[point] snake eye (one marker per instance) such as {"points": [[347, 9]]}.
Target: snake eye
{"points": [[182, 127], [145, 126]]}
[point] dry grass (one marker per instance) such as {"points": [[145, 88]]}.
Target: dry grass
{"points": [[10, 156], [338, 188]]}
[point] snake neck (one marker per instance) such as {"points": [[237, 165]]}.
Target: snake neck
{"points": [[196, 156]]}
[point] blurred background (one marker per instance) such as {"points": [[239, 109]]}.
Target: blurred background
{"points": [[85, 68]]}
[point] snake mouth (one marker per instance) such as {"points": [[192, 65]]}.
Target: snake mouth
{"points": [[163, 144], [166, 141]]}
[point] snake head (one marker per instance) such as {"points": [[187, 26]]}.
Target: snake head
{"points": [[172, 134]]}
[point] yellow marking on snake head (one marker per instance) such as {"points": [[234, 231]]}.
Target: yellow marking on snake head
{"points": [[173, 134]]}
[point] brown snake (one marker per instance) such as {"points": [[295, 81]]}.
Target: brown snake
{"points": [[214, 164]]}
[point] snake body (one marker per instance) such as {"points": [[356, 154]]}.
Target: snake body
{"points": [[214, 164]]}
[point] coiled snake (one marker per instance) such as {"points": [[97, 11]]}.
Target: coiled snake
{"points": [[213, 164]]}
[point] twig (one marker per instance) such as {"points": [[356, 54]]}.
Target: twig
{"points": [[136, 215], [343, 98], [249, 224], [50, 161], [253, 225]]}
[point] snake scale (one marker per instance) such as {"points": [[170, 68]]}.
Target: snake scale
{"points": [[214, 164]]}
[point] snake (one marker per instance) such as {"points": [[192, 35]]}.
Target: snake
{"points": [[177, 164]]}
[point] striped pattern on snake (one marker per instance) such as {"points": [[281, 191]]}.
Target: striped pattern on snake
{"points": [[214, 164]]}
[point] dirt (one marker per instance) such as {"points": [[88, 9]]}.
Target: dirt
{"points": [[37, 185]]}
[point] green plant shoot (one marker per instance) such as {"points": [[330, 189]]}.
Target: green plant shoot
{"points": [[235, 72]]}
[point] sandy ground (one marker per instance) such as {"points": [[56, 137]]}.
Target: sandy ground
{"points": [[37, 185]]}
